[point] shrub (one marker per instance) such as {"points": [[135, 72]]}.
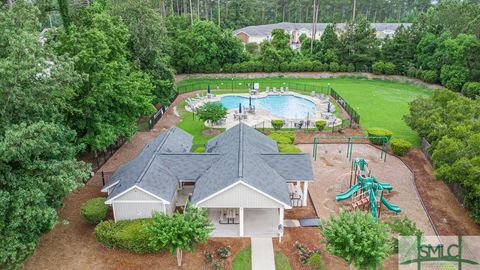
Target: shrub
{"points": [[350, 67], [343, 237], [471, 89], [286, 137], [378, 67], [320, 125], [429, 76], [402, 227], [288, 148], [334, 67], [277, 124], [379, 132], [94, 210], [412, 72], [208, 256], [304, 252], [400, 147], [224, 252], [212, 111], [453, 77], [127, 234], [316, 262], [389, 68]]}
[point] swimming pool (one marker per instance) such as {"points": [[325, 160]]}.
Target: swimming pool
{"points": [[287, 106]]}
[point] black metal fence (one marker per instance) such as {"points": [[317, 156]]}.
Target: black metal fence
{"points": [[99, 158], [239, 85], [242, 85], [354, 116], [155, 117]]}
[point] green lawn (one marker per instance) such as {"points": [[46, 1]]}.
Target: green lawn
{"points": [[380, 103], [243, 260], [192, 125]]}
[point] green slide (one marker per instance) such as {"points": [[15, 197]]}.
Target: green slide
{"points": [[347, 194], [391, 206]]}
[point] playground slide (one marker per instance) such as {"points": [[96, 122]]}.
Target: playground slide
{"points": [[347, 194], [373, 205], [391, 206], [386, 186]]}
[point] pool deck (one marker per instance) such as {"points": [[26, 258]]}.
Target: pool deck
{"points": [[262, 118]]}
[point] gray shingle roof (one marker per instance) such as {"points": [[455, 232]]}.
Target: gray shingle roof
{"points": [[139, 171], [241, 147], [238, 154], [291, 166], [266, 29]]}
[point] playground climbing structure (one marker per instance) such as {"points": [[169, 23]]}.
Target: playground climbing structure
{"points": [[365, 191]]}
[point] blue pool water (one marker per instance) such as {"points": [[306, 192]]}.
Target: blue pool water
{"points": [[290, 107]]}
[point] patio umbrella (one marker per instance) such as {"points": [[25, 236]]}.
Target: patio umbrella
{"points": [[208, 89], [329, 106], [240, 107], [250, 102]]}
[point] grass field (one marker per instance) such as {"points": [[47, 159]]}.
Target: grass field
{"points": [[380, 103]]}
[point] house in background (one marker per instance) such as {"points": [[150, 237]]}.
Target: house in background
{"points": [[259, 33], [242, 179]]}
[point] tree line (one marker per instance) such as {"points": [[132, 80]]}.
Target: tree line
{"points": [[240, 13]]}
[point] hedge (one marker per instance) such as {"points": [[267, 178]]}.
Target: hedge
{"points": [[277, 124], [282, 137], [320, 124], [126, 234], [94, 210], [400, 147], [379, 132], [471, 89], [288, 148]]}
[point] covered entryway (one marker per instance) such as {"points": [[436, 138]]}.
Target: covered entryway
{"points": [[262, 222], [256, 222]]}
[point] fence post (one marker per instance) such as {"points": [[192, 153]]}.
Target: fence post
{"points": [[103, 179]]}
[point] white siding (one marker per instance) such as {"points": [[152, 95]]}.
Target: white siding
{"points": [[136, 195], [137, 204], [135, 210], [240, 196]]}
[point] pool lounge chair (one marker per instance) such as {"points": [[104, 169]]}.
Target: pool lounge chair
{"points": [[267, 90], [274, 90]]}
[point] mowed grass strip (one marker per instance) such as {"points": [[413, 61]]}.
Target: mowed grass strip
{"points": [[380, 103]]}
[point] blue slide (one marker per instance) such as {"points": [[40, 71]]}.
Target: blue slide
{"points": [[347, 194], [391, 206]]}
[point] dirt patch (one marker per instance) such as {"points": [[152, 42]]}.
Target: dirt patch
{"points": [[211, 132], [301, 212], [448, 215]]}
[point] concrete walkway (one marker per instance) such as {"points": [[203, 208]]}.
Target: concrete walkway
{"points": [[263, 257]]}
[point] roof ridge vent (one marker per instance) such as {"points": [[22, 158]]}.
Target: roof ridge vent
{"points": [[240, 152]]}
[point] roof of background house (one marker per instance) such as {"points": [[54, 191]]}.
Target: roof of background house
{"points": [[238, 154], [266, 29]]}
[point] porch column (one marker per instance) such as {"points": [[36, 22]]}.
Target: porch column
{"points": [[280, 223], [305, 193], [241, 221], [280, 216]]}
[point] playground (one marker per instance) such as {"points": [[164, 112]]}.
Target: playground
{"points": [[388, 180]]}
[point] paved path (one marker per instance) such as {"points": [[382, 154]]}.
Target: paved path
{"points": [[263, 257]]}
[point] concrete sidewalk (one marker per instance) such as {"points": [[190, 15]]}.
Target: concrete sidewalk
{"points": [[263, 257]]}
